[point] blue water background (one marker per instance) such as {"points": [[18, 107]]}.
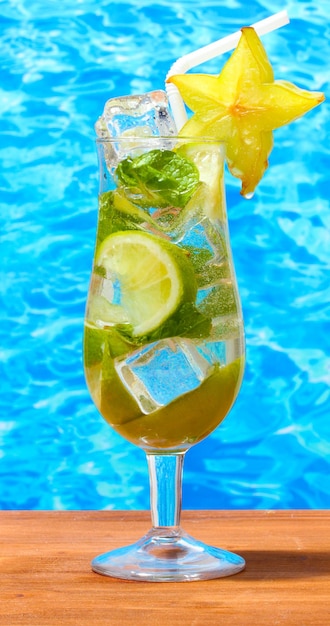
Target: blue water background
{"points": [[60, 62]]}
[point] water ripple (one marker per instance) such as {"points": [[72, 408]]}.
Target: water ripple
{"points": [[60, 62]]}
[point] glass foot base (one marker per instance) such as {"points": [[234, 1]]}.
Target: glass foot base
{"points": [[169, 557]]}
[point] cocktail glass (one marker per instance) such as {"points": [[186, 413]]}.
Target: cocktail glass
{"points": [[164, 343]]}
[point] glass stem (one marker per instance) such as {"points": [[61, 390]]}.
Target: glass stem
{"points": [[165, 475]]}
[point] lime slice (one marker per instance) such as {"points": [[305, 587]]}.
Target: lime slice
{"points": [[100, 312], [154, 276], [210, 163]]}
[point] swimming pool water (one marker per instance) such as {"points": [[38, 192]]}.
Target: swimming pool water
{"points": [[60, 62]]}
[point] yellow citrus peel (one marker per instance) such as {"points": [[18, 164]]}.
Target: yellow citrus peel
{"points": [[242, 106]]}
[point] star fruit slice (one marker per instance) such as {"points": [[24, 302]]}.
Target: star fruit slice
{"points": [[242, 106]]}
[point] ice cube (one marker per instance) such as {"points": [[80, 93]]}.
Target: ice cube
{"points": [[163, 371], [139, 115]]}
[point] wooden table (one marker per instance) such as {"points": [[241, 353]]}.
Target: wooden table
{"points": [[46, 578]]}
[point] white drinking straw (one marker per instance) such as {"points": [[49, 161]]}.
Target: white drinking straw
{"points": [[192, 59]]}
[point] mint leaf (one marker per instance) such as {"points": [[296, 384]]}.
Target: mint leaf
{"points": [[158, 178], [186, 322], [117, 340], [192, 323], [110, 220], [116, 212]]}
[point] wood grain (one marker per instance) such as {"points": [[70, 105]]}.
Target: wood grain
{"points": [[46, 578]]}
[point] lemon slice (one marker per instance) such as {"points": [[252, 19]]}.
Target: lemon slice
{"points": [[154, 277]]}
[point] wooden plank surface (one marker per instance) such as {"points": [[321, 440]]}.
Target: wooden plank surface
{"points": [[46, 578]]}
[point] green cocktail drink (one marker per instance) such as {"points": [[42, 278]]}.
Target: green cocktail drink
{"points": [[164, 349], [163, 344]]}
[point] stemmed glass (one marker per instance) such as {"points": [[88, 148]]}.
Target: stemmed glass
{"points": [[163, 342]]}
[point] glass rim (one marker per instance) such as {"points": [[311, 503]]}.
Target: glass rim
{"points": [[155, 138]]}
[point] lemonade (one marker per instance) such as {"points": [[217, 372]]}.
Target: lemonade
{"points": [[164, 349]]}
